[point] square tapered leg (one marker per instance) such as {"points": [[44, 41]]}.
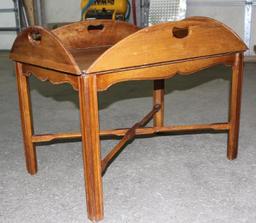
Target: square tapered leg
{"points": [[235, 106], [26, 119], [89, 118]]}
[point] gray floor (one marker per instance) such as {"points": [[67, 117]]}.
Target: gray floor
{"points": [[174, 179]]}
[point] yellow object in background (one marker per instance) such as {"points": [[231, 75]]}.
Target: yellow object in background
{"points": [[116, 7]]}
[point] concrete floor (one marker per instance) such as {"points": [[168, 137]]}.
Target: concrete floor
{"points": [[172, 179]]}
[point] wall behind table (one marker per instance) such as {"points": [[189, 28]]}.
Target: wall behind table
{"points": [[253, 39], [59, 11], [7, 19]]}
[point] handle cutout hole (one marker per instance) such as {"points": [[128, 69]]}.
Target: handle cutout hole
{"points": [[95, 27], [180, 32], [35, 37]]}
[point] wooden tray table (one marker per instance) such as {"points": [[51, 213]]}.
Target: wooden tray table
{"points": [[94, 55]]}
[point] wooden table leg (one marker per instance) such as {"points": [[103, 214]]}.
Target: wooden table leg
{"points": [[89, 118], [235, 106], [158, 98], [26, 119]]}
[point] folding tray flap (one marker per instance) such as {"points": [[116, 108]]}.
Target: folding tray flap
{"points": [[38, 46], [188, 39]]}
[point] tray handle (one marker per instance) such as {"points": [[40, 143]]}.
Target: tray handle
{"points": [[99, 27], [35, 37], [180, 32]]}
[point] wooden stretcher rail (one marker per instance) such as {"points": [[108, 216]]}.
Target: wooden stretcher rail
{"points": [[129, 135], [51, 137], [138, 131]]}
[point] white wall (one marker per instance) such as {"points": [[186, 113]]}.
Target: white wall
{"points": [[253, 40], [61, 10], [7, 20]]}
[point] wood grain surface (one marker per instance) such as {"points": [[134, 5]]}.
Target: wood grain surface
{"points": [[94, 33], [38, 46], [157, 44]]}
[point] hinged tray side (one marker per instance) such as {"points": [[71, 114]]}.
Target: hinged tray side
{"points": [[40, 47], [94, 33], [195, 37]]}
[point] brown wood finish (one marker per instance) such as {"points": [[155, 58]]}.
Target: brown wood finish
{"points": [[26, 119], [86, 56], [38, 46], [55, 77], [158, 98], [77, 35], [163, 71], [91, 146], [94, 55], [235, 106], [157, 44], [138, 131]]}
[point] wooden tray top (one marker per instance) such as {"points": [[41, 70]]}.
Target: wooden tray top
{"points": [[100, 46], [116, 51]]}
